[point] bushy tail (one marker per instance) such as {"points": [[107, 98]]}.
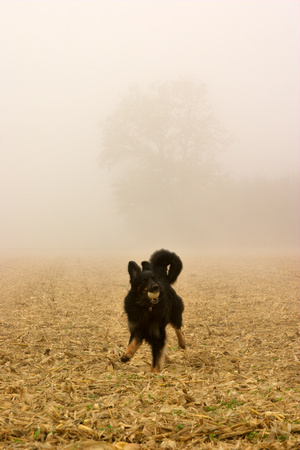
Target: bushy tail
{"points": [[161, 259]]}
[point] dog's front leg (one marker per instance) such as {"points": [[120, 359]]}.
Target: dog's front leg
{"points": [[158, 354], [134, 344]]}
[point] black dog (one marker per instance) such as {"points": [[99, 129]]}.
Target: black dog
{"points": [[152, 303]]}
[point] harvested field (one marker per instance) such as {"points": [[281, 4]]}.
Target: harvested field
{"points": [[63, 329]]}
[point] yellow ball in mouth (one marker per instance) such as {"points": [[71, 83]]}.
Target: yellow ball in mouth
{"points": [[153, 295]]}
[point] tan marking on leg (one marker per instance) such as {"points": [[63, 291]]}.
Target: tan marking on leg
{"points": [[180, 337], [131, 349]]}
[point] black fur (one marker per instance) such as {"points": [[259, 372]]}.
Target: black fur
{"points": [[148, 318]]}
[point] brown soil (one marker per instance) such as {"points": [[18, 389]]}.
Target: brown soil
{"points": [[63, 330]]}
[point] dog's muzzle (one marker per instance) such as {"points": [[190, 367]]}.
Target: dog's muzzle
{"points": [[154, 298]]}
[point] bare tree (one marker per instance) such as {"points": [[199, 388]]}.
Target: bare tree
{"points": [[160, 145]]}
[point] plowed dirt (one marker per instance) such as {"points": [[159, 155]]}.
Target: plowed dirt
{"points": [[63, 330]]}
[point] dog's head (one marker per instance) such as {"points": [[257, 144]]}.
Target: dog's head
{"points": [[144, 281]]}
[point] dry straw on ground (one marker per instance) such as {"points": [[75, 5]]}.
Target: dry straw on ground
{"points": [[62, 384]]}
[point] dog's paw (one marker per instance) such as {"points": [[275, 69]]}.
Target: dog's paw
{"points": [[125, 358]]}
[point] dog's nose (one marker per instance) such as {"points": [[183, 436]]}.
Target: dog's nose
{"points": [[154, 288]]}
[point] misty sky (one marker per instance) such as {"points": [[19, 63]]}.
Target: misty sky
{"points": [[65, 64]]}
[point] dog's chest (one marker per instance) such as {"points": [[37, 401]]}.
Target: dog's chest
{"points": [[142, 311]]}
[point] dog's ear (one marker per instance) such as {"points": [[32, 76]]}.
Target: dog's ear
{"points": [[146, 265], [133, 269]]}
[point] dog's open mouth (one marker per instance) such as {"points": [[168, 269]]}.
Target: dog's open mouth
{"points": [[153, 295]]}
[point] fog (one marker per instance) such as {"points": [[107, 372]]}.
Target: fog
{"points": [[65, 65]]}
